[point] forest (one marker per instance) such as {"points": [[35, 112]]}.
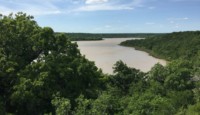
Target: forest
{"points": [[100, 36], [43, 73], [185, 45]]}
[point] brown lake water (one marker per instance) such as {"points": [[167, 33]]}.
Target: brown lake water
{"points": [[107, 52]]}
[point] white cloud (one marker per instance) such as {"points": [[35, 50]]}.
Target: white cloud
{"points": [[185, 0], [46, 7], [174, 20], [186, 18], [103, 7], [34, 7], [178, 22], [95, 1], [5, 10]]}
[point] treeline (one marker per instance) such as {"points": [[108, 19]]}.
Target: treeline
{"points": [[81, 36], [184, 45], [42, 73], [100, 36]]}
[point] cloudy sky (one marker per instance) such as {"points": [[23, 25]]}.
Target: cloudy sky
{"points": [[110, 16]]}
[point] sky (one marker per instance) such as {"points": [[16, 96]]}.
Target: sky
{"points": [[110, 16]]}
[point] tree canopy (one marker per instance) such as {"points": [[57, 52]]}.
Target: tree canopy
{"points": [[36, 64], [169, 46]]}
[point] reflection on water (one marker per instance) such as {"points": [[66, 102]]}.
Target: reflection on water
{"points": [[107, 52]]}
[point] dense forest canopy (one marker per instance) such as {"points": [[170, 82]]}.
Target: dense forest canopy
{"points": [[170, 46], [43, 73]]}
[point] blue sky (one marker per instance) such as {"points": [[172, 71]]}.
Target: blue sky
{"points": [[110, 16]]}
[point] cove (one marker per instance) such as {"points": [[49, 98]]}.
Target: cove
{"points": [[105, 53]]}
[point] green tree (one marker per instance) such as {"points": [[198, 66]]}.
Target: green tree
{"points": [[148, 104], [125, 76], [179, 76], [158, 73], [193, 109], [106, 104], [84, 106], [35, 64], [19, 46], [62, 105]]}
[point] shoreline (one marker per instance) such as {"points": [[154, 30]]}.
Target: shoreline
{"points": [[106, 53], [149, 52]]}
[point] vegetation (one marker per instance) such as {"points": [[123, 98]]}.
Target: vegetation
{"points": [[81, 36], [100, 36], [42, 73], [39, 68], [184, 45]]}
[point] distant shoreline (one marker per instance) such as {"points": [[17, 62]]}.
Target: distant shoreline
{"points": [[147, 51]]}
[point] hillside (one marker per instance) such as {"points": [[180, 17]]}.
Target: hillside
{"points": [[184, 45]]}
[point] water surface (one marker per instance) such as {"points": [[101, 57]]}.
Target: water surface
{"points": [[107, 52]]}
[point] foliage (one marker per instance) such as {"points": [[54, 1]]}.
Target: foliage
{"points": [[193, 109], [36, 64], [83, 106], [62, 105], [179, 80], [100, 36], [124, 76], [149, 104], [170, 46], [44, 73]]}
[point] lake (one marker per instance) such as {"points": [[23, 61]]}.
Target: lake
{"points": [[105, 53]]}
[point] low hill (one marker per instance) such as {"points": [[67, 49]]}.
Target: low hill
{"points": [[170, 46]]}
